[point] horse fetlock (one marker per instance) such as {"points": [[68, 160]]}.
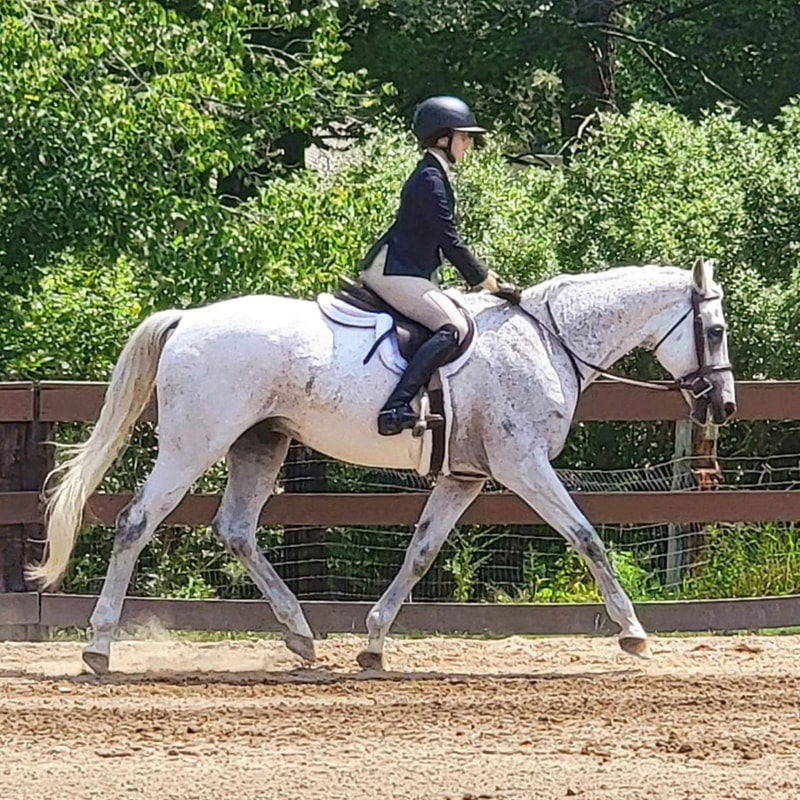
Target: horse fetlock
{"points": [[100, 641], [289, 612], [104, 621], [371, 657], [239, 546], [632, 629], [373, 620]]}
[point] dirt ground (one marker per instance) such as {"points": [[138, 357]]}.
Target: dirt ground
{"points": [[460, 719]]}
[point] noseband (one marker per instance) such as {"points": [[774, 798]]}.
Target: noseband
{"points": [[695, 382]]}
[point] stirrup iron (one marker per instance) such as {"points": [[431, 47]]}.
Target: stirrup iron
{"points": [[426, 420]]}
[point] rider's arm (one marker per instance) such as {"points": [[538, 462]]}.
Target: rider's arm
{"points": [[443, 226]]}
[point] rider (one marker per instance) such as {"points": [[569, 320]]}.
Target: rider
{"points": [[401, 266]]}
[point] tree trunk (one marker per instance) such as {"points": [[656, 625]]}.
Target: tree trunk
{"points": [[588, 75]]}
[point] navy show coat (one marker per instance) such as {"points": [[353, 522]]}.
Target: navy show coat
{"points": [[424, 230]]}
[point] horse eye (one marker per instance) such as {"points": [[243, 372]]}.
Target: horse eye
{"points": [[716, 332]]}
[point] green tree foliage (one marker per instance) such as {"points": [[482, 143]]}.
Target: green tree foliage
{"points": [[295, 237], [509, 59], [695, 53], [124, 121], [647, 186], [530, 68]]}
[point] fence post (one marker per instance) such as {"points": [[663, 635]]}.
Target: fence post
{"points": [[696, 463], [677, 546], [25, 460], [304, 551], [708, 475]]}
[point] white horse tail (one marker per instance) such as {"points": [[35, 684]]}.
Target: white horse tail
{"points": [[127, 395]]}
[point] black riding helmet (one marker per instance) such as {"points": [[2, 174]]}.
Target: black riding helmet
{"points": [[440, 116]]}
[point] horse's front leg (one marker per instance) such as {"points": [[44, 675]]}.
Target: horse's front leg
{"points": [[535, 481], [449, 499]]}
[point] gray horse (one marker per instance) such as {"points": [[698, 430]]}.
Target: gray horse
{"points": [[240, 378]]}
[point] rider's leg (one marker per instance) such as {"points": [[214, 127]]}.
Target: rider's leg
{"points": [[397, 413], [420, 300], [416, 298]]}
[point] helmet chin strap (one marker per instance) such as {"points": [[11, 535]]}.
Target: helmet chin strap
{"points": [[449, 151]]}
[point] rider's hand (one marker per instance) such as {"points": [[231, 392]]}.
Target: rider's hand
{"points": [[508, 292], [490, 282]]}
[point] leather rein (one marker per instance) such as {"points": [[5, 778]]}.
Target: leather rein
{"points": [[695, 382]]}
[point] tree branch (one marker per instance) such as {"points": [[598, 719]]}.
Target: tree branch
{"points": [[657, 67], [628, 36], [680, 13]]}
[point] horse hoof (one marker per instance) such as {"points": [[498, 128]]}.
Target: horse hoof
{"points": [[97, 662], [636, 647], [369, 660], [303, 646]]}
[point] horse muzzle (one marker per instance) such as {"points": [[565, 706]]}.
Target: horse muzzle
{"points": [[711, 395]]}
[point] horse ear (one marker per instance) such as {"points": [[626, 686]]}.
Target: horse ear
{"points": [[702, 274]]}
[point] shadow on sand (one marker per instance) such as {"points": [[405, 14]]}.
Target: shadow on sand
{"points": [[320, 675]]}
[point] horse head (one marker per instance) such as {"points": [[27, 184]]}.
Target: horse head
{"points": [[695, 350]]}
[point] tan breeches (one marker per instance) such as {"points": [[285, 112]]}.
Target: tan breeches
{"points": [[417, 298]]}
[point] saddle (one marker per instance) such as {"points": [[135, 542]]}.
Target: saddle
{"points": [[410, 335], [398, 340]]}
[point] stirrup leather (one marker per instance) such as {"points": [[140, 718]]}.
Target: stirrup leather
{"points": [[426, 419]]}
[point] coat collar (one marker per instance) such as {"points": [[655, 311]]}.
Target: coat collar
{"points": [[430, 153]]}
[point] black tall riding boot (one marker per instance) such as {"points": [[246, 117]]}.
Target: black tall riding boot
{"points": [[397, 413]]}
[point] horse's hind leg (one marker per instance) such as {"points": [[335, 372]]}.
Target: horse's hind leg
{"points": [[253, 464], [449, 499], [174, 471]]}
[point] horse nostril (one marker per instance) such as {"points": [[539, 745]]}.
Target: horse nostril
{"points": [[730, 409]]}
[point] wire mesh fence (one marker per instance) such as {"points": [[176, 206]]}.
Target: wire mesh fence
{"points": [[495, 563]]}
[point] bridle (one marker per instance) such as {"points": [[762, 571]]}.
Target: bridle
{"points": [[691, 380], [695, 382]]}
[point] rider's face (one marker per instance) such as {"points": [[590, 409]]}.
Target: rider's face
{"points": [[461, 143]]}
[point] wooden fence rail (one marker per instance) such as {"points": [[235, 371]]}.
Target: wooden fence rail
{"points": [[28, 411], [750, 614], [403, 508], [61, 401]]}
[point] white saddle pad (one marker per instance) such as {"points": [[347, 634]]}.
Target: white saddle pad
{"points": [[345, 314], [342, 312]]}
